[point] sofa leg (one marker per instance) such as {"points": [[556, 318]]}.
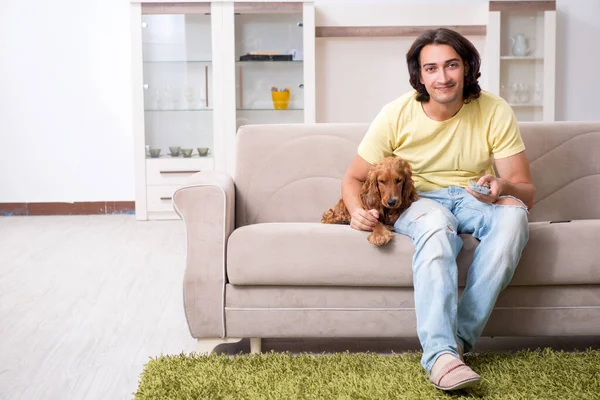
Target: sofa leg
{"points": [[206, 346], [255, 345]]}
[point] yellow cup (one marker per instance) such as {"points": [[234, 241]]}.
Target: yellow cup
{"points": [[281, 100]]}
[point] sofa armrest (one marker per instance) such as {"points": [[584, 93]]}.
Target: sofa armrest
{"points": [[206, 203]]}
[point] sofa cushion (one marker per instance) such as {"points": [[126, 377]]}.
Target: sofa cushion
{"points": [[313, 254]]}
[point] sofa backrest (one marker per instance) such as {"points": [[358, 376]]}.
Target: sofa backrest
{"points": [[293, 172], [564, 162]]}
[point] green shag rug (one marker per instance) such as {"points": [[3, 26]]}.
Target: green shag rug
{"points": [[538, 374]]}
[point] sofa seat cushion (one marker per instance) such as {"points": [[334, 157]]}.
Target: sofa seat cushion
{"points": [[313, 254]]}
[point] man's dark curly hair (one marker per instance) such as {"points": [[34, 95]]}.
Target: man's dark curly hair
{"points": [[461, 45]]}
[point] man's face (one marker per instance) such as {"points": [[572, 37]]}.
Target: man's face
{"points": [[442, 73]]}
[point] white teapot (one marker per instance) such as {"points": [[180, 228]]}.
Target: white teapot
{"points": [[519, 45]]}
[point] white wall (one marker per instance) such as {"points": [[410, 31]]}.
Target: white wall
{"points": [[65, 107], [65, 119], [577, 60], [380, 64]]}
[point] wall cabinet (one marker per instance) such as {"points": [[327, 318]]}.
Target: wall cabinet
{"points": [[200, 70], [522, 39]]}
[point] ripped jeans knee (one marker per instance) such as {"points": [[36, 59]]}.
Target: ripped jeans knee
{"points": [[435, 222], [519, 203], [424, 216]]}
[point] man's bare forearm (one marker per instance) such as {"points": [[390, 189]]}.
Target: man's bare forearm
{"points": [[351, 193], [522, 191]]}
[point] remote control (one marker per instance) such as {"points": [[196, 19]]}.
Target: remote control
{"points": [[485, 189]]}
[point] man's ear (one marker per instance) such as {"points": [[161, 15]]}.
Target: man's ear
{"points": [[466, 68]]}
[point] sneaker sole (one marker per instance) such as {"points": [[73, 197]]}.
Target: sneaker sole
{"points": [[460, 385]]}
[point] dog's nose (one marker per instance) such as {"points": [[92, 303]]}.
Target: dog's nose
{"points": [[392, 202]]}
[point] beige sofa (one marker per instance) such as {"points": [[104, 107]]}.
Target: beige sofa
{"points": [[260, 265]]}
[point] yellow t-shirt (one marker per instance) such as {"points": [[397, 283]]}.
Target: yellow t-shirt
{"points": [[444, 153]]}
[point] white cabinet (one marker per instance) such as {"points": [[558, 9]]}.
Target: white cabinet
{"points": [[522, 44], [202, 69]]}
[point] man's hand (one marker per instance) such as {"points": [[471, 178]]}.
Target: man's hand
{"points": [[496, 186], [356, 175], [364, 220]]}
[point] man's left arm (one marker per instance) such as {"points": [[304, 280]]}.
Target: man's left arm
{"points": [[514, 179]]}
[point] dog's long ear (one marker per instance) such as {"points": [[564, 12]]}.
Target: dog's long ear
{"points": [[369, 194], [409, 193]]}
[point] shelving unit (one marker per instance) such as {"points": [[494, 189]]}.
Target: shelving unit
{"points": [[191, 90], [525, 66]]}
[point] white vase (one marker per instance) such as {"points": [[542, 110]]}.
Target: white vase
{"points": [[519, 45]]}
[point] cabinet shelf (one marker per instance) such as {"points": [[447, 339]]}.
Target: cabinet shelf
{"points": [[271, 62], [522, 58], [179, 157], [269, 109], [178, 110], [179, 62], [525, 105]]}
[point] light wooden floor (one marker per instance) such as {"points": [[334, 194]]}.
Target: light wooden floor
{"points": [[85, 301]]}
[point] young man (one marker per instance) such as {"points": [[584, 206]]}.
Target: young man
{"points": [[451, 131]]}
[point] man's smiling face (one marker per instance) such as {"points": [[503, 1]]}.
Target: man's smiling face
{"points": [[442, 73]]}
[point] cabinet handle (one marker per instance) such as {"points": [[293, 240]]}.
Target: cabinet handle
{"points": [[166, 198], [178, 172], [144, 24], [300, 24], [301, 85]]}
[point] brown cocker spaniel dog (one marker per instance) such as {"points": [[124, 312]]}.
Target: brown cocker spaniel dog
{"points": [[389, 189]]}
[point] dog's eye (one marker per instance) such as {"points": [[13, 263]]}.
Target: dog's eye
{"points": [[398, 180], [381, 181]]}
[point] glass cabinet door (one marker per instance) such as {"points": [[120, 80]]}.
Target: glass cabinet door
{"points": [[177, 70], [269, 63]]}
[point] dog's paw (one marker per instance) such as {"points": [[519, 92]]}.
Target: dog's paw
{"points": [[380, 238]]}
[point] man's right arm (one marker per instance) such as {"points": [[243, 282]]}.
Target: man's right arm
{"points": [[375, 145], [352, 183]]}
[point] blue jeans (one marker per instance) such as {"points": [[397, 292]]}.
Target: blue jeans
{"points": [[433, 223]]}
